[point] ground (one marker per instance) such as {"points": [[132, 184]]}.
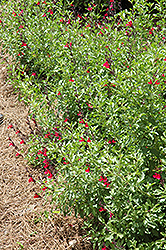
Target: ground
{"points": [[22, 221]]}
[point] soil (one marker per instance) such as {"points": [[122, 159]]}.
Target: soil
{"points": [[22, 221]]}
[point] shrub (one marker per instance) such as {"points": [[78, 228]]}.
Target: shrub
{"points": [[96, 92]]}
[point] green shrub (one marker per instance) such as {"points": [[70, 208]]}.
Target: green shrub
{"points": [[96, 91]]}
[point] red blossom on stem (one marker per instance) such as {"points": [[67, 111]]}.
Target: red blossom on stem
{"points": [[87, 170], [129, 24], [103, 179], [105, 248], [150, 82], [82, 121], [23, 44], [22, 142], [10, 126], [89, 105], [111, 214], [157, 176], [101, 209], [17, 154], [82, 139], [106, 64], [59, 93], [157, 82], [66, 120], [36, 196], [51, 12], [71, 80], [88, 140], [31, 180]]}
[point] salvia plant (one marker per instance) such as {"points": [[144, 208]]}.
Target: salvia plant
{"points": [[95, 87]]}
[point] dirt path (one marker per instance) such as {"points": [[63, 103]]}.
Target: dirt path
{"points": [[21, 215]]}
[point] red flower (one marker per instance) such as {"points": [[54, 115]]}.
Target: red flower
{"points": [[44, 15], [150, 82], [106, 64], [23, 44], [0, 21], [103, 179], [40, 152], [36, 196], [45, 2], [113, 141], [87, 170], [44, 188], [14, 14], [89, 105], [10, 126], [51, 12], [79, 16], [59, 93], [45, 161], [164, 59], [86, 125], [111, 214], [88, 71], [101, 33], [31, 180], [88, 140], [46, 165], [81, 139], [105, 248], [107, 184], [90, 9], [71, 80], [157, 176], [17, 154], [21, 27], [101, 209], [129, 24], [21, 142], [38, 3], [157, 82], [82, 121], [79, 114], [50, 176], [66, 120], [11, 144]]}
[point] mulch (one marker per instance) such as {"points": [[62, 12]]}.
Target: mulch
{"points": [[22, 219]]}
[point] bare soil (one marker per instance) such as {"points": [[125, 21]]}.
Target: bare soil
{"points": [[22, 221]]}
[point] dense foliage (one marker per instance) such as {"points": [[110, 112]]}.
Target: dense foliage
{"points": [[96, 92]]}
